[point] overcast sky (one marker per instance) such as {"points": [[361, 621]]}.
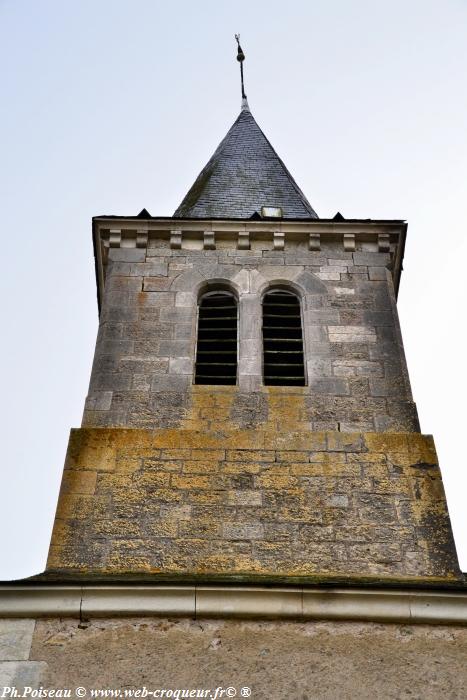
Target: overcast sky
{"points": [[111, 106]]}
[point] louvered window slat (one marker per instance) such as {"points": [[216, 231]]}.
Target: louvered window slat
{"points": [[216, 353], [282, 339]]}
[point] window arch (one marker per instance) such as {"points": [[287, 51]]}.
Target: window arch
{"points": [[283, 363], [216, 348]]}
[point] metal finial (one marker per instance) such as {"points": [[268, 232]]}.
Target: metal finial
{"points": [[240, 59]]}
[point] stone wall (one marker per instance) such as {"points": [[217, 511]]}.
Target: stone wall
{"points": [[274, 659], [144, 363], [252, 504], [16, 668], [306, 660]]}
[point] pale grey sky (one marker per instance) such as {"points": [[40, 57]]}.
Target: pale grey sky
{"points": [[111, 106]]}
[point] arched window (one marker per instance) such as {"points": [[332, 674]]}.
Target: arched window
{"points": [[282, 339], [216, 350]]}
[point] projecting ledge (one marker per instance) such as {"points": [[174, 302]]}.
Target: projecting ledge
{"points": [[382, 605]]}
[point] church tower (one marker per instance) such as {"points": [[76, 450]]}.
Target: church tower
{"points": [[249, 451], [249, 415]]}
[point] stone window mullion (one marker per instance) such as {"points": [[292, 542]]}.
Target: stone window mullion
{"points": [[250, 343]]}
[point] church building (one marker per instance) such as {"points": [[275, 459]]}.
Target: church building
{"points": [[249, 502]]}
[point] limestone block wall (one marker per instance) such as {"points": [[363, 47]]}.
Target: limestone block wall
{"points": [[356, 376], [252, 504], [17, 669]]}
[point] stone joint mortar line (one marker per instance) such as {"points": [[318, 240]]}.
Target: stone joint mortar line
{"points": [[81, 604], [410, 608]]}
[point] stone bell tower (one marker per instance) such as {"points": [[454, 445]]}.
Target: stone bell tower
{"points": [[249, 451], [249, 415]]}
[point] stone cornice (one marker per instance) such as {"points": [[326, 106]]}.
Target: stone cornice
{"points": [[127, 232], [299, 603]]}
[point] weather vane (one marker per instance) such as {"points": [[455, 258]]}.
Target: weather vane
{"points": [[240, 59]]}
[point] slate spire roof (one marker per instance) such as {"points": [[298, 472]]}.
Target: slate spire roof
{"points": [[244, 174]]}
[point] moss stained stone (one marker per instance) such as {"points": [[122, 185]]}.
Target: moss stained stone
{"points": [[289, 506]]}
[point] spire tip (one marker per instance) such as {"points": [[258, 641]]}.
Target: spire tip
{"points": [[240, 59]]}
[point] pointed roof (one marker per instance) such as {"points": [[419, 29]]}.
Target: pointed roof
{"points": [[244, 174]]}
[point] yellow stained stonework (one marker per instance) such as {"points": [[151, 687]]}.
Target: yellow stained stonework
{"points": [[284, 408], [252, 504]]}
